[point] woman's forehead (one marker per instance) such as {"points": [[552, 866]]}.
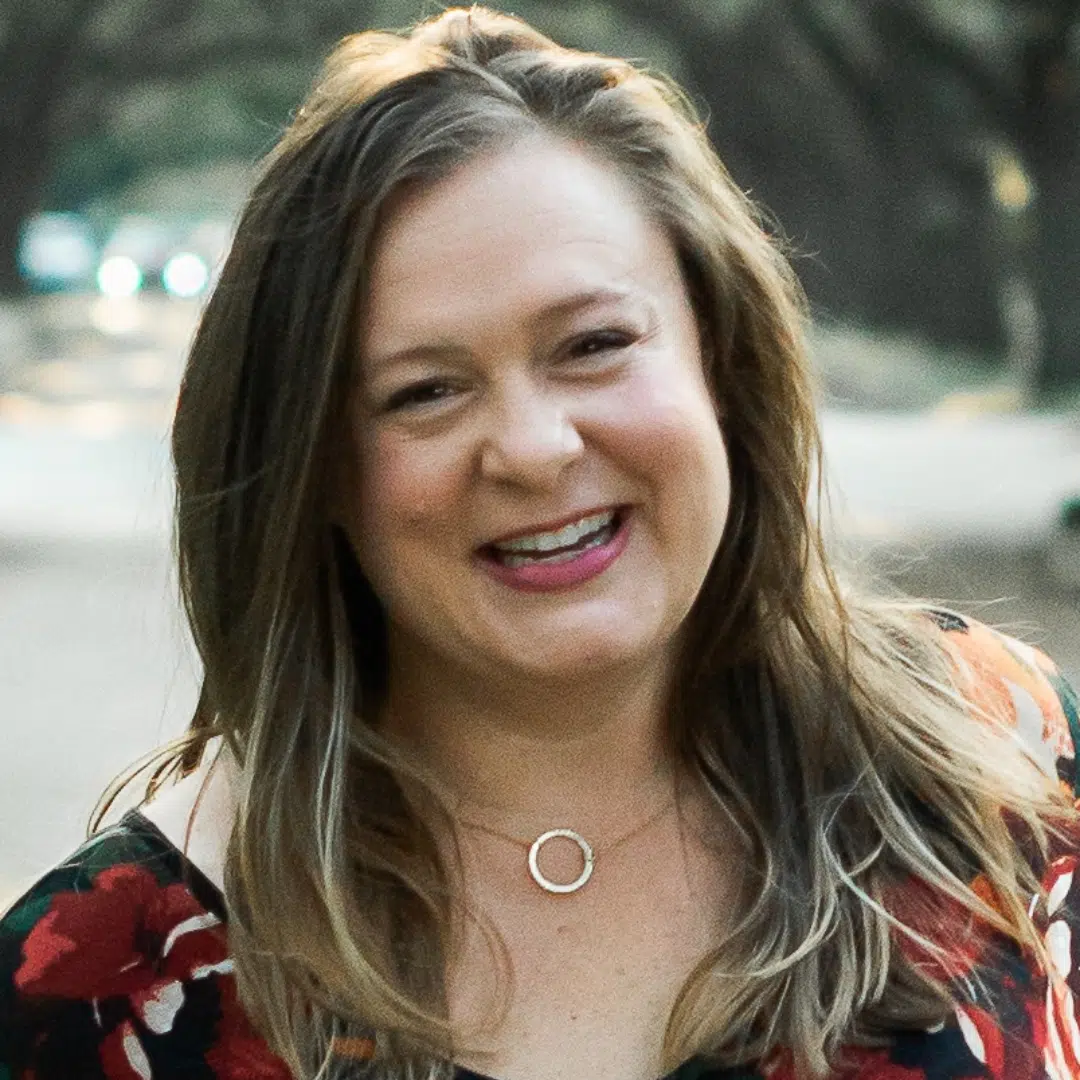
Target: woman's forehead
{"points": [[512, 235]]}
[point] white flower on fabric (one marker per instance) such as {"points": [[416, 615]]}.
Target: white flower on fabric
{"points": [[1059, 946], [159, 1009], [136, 1055], [1054, 1053], [1058, 893], [1029, 727], [1070, 1024], [188, 926], [971, 1035], [1021, 650], [224, 967]]}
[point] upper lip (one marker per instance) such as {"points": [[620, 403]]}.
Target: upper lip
{"points": [[551, 526]]}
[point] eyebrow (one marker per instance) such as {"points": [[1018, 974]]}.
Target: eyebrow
{"points": [[557, 309], [579, 301]]}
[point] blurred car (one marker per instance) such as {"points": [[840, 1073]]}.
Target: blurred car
{"points": [[58, 252], [147, 253], [134, 256]]}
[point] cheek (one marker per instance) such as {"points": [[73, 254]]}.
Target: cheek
{"points": [[407, 489], [667, 432]]}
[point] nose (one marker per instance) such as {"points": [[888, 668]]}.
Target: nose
{"points": [[530, 440]]}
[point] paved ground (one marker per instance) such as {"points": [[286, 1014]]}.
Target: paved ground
{"points": [[96, 670], [94, 664]]}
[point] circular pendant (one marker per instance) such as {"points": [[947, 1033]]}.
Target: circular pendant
{"points": [[552, 886]]}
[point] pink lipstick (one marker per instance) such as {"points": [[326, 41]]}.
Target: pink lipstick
{"points": [[564, 569]]}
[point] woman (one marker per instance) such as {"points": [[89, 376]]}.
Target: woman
{"points": [[537, 737]]}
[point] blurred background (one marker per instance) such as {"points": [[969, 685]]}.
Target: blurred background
{"points": [[920, 157]]}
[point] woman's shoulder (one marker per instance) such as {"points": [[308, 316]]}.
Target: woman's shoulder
{"points": [[116, 963], [1020, 684], [1012, 1015], [131, 858]]}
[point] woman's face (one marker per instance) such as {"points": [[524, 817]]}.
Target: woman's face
{"points": [[540, 478]]}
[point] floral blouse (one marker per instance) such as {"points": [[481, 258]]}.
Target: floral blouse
{"points": [[116, 966]]}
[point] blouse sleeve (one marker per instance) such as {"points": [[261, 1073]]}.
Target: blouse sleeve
{"points": [[1023, 684], [111, 968]]}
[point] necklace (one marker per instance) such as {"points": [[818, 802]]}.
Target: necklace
{"points": [[588, 852]]}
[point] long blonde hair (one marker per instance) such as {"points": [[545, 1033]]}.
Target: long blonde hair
{"points": [[826, 723]]}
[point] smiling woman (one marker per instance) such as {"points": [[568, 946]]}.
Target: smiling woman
{"points": [[572, 442], [538, 735]]}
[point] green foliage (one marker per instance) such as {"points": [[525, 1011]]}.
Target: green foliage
{"points": [[218, 99], [874, 132], [169, 123]]}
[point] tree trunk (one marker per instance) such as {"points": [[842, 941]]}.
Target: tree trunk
{"points": [[34, 79], [17, 201], [1050, 130]]}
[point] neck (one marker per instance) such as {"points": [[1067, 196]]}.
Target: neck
{"points": [[526, 756]]}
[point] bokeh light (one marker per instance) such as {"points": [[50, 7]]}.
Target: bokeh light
{"points": [[119, 275], [185, 275]]}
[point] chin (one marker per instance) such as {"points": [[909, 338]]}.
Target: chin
{"points": [[584, 658]]}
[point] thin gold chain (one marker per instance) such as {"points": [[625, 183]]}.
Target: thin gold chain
{"points": [[607, 847]]}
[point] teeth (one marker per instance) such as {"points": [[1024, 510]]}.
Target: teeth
{"points": [[514, 561], [564, 537]]}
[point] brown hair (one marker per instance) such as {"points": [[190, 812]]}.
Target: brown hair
{"points": [[825, 721]]}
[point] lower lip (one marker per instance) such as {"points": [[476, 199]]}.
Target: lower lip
{"points": [[551, 577]]}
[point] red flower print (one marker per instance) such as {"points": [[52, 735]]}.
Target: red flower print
{"points": [[239, 1050], [875, 1065], [126, 937], [121, 938], [959, 938]]}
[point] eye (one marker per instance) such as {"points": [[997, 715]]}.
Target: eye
{"points": [[418, 395], [598, 343]]}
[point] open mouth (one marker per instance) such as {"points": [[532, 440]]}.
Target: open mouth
{"points": [[559, 545]]}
